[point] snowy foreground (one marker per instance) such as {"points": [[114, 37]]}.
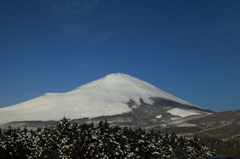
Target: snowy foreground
{"points": [[100, 141], [103, 97]]}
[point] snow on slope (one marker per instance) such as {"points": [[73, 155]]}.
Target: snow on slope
{"points": [[105, 96], [159, 116], [122, 85], [181, 112]]}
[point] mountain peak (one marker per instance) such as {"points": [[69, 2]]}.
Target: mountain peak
{"points": [[116, 74], [123, 86], [103, 97]]}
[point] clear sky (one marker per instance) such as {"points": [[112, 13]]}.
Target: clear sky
{"points": [[190, 49]]}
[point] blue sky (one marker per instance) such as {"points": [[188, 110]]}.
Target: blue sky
{"points": [[190, 49]]}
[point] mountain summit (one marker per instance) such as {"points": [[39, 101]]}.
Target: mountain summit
{"points": [[111, 95], [118, 87]]}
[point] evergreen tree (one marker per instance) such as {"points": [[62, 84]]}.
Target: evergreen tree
{"points": [[73, 141]]}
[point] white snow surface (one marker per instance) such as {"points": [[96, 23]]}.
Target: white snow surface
{"points": [[105, 96], [181, 112], [159, 116]]}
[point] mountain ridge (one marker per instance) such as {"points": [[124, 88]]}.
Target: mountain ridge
{"points": [[107, 96]]}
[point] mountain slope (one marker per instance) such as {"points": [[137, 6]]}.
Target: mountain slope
{"points": [[218, 125], [106, 96]]}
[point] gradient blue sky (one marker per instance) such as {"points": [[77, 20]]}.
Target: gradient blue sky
{"points": [[190, 49]]}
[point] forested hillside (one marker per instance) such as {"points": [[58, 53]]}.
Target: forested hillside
{"points": [[102, 141]]}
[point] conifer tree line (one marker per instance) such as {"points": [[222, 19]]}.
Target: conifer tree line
{"points": [[99, 141]]}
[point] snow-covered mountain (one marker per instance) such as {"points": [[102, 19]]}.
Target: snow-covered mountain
{"points": [[111, 95]]}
